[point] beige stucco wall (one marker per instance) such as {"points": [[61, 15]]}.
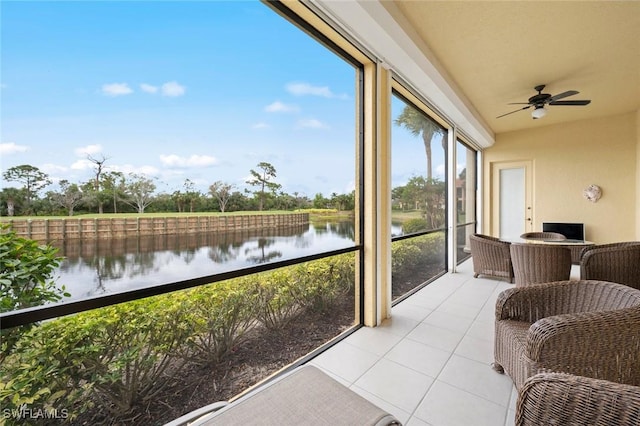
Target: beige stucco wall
{"points": [[638, 175], [569, 157]]}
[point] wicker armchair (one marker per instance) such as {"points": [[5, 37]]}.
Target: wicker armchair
{"points": [[619, 244], [490, 257], [545, 236], [565, 399], [540, 263], [587, 328], [618, 263]]}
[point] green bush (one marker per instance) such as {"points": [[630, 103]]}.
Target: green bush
{"points": [[118, 356], [412, 252], [320, 283], [276, 298], [221, 314], [26, 270], [414, 225]]}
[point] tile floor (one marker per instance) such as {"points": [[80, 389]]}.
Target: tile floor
{"points": [[430, 363]]}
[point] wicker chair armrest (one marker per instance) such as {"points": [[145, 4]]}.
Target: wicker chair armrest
{"points": [[604, 344], [564, 399]]}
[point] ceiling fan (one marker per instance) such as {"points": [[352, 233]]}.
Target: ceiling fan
{"points": [[541, 99]]}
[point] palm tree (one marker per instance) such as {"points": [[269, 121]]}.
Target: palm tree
{"points": [[419, 124]]}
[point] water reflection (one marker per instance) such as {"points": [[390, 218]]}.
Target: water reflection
{"points": [[96, 267]]}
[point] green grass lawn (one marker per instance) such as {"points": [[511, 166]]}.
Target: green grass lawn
{"points": [[162, 214], [401, 216]]}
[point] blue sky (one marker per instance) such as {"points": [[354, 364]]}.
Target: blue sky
{"points": [[178, 90]]}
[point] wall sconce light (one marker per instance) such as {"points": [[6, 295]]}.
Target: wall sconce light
{"points": [[592, 193]]}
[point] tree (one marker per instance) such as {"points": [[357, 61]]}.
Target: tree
{"points": [[27, 271], [191, 195], [139, 191], [69, 196], [262, 180], [419, 124], [319, 202], [113, 184], [32, 179], [99, 163], [11, 197], [222, 192]]}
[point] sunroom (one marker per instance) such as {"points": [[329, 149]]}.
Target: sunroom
{"points": [[428, 80]]}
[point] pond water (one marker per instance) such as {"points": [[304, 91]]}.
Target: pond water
{"points": [[97, 267]]}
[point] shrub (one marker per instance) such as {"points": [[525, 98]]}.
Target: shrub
{"points": [[26, 270], [414, 225], [221, 313], [320, 283], [119, 355], [276, 298], [412, 252]]}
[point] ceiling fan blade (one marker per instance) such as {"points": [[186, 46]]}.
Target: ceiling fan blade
{"points": [[518, 103], [527, 107], [585, 102], [562, 95]]}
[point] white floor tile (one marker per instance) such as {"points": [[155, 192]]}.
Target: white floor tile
{"points": [[396, 384], [375, 340], [419, 357], [480, 350], [436, 337], [345, 361], [477, 378], [446, 405], [449, 319]]}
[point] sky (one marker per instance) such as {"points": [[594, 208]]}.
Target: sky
{"points": [[201, 90]]}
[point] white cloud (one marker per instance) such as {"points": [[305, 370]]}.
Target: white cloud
{"points": [[173, 160], [83, 151], [311, 123], [278, 106], [148, 88], [173, 89], [261, 125], [302, 89], [83, 164], [116, 89], [53, 169], [12, 148], [139, 170]]}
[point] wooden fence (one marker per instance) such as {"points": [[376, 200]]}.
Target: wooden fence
{"points": [[46, 230]]}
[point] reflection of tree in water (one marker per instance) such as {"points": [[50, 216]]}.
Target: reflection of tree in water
{"points": [[344, 229], [303, 241], [223, 253], [113, 268], [263, 256]]}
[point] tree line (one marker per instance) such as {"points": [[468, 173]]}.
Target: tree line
{"points": [[116, 192]]}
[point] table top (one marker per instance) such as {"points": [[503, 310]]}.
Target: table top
{"points": [[552, 242]]}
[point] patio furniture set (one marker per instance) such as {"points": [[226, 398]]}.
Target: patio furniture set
{"points": [[571, 347]]}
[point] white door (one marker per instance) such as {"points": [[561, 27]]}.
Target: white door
{"points": [[512, 211]]}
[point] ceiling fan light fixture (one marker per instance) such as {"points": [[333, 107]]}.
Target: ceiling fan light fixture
{"points": [[539, 112]]}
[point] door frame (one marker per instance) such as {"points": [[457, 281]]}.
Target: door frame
{"points": [[494, 214]]}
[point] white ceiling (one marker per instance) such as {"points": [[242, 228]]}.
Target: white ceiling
{"points": [[495, 52]]}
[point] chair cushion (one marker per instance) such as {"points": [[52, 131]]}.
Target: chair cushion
{"points": [[306, 396]]}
